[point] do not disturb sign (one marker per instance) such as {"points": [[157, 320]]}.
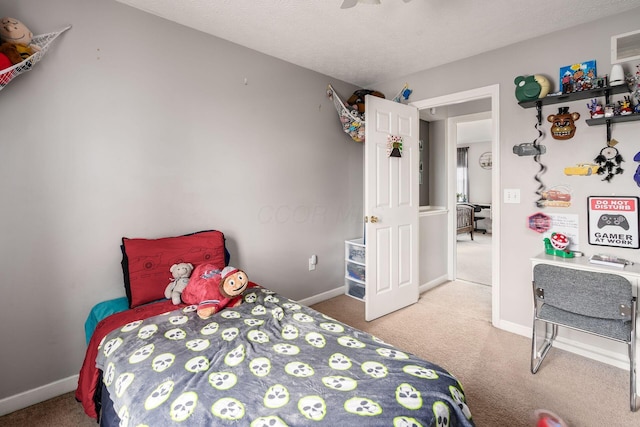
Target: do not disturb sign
{"points": [[613, 221]]}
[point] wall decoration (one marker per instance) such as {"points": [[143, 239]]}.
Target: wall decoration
{"points": [[394, 146], [529, 149], [486, 160], [567, 224], [609, 161], [578, 77], [557, 197], [539, 222], [582, 169], [613, 221], [563, 124], [636, 176]]}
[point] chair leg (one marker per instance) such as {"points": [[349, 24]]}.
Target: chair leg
{"points": [[536, 360], [632, 359]]}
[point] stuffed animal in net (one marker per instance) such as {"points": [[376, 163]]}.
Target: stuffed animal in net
{"points": [[181, 273], [356, 101], [212, 288], [18, 38]]}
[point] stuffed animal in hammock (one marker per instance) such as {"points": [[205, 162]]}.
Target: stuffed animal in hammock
{"points": [[18, 37], [212, 288]]}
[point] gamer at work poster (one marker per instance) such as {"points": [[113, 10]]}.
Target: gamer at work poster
{"points": [[613, 221]]}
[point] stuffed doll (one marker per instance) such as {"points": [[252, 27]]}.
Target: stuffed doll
{"points": [[212, 288], [179, 282], [11, 52], [17, 34]]}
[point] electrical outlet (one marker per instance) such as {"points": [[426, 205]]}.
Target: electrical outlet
{"points": [[512, 195]]}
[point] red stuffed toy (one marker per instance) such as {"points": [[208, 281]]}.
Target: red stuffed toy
{"points": [[212, 288]]}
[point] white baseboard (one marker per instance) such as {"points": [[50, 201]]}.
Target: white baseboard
{"points": [[37, 395], [323, 296]]}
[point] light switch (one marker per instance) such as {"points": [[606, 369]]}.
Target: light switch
{"points": [[512, 195]]}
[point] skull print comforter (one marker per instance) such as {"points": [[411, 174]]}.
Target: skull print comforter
{"points": [[270, 362]]}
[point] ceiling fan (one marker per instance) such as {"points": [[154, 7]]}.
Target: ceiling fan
{"points": [[346, 4]]}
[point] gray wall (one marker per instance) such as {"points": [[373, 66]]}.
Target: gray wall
{"points": [[539, 56], [135, 126]]}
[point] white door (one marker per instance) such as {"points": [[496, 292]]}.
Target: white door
{"points": [[391, 205]]}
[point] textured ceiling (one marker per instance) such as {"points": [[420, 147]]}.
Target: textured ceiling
{"points": [[370, 44]]}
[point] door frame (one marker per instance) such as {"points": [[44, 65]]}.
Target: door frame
{"points": [[493, 93]]}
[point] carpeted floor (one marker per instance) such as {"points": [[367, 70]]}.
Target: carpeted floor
{"points": [[473, 258], [450, 325]]}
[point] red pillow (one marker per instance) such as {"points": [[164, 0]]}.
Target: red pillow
{"points": [[146, 262]]}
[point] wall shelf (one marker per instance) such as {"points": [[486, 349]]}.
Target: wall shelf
{"points": [[576, 96], [614, 119]]}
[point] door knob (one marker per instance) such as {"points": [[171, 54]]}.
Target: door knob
{"points": [[374, 219]]}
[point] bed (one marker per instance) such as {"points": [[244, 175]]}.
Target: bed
{"points": [[268, 362], [465, 219]]}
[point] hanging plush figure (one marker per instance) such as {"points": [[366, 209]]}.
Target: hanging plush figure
{"points": [[609, 160], [563, 124]]}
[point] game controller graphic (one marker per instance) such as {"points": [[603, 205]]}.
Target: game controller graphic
{"points": [[618, 220]]}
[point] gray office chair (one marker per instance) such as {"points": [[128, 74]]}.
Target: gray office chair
{"points": [[601, 304]]}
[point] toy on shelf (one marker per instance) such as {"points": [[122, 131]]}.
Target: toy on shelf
{"points": [[596, 109], [557, 245], [625, 106], [529, 88]]}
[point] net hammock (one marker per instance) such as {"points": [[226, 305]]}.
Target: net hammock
{"points": [[353, 122], [43, 42]]}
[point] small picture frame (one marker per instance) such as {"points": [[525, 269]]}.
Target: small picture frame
{"points": [[613, 221], [578, 77]]}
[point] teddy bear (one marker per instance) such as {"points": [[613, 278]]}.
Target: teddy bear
{"points": [[181, 273], [15, 34], [212, 288]]}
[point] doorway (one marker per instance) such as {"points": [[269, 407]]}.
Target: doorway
{"points": [[472, 136], [460, 101]]}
